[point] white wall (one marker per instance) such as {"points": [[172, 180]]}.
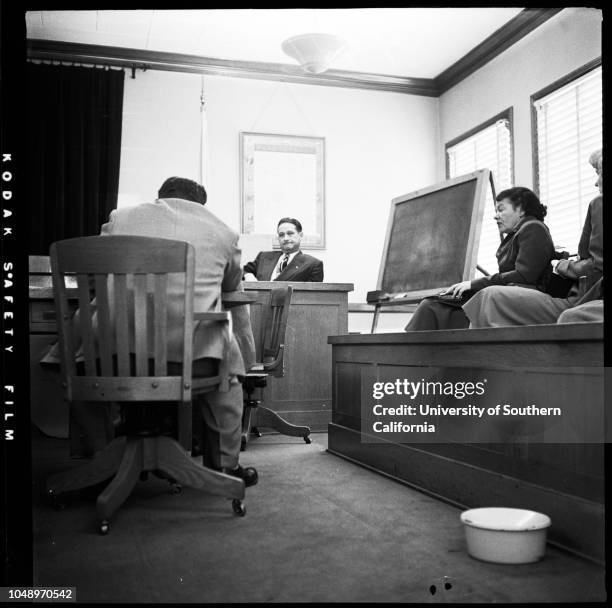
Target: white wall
{"points": [[161, 132], [564, 43], [378, 145]]}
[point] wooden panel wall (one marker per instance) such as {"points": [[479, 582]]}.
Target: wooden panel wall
{"points": [[554, 365], [318, 310]]}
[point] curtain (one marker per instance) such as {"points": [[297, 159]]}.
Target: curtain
{"points": [[73, 151]]}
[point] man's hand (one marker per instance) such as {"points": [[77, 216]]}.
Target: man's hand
{"points": [[457, 289]]}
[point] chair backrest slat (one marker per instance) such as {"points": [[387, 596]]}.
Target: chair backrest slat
{"points": [[276, 314], [64, 320], [188, 318], [140, 324], [161, 324], [104, 334], [121, 324], [86, 324], [131, 279], [275, 327]]}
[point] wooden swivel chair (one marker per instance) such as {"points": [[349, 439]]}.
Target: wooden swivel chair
{"points": [[274, 326], [129, 276]]}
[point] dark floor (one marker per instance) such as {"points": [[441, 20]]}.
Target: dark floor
{"points": [[317, 529]]}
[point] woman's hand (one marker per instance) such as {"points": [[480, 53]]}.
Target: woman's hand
{"points": [[457, 289], [562, 266]]}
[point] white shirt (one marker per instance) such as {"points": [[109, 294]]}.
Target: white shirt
{"points": [[277, 269]]}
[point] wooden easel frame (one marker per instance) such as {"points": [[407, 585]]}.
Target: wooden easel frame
{"points": [[379, 298]]}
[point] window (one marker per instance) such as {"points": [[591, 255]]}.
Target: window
{"points": [[488, 146], [568, 122]]}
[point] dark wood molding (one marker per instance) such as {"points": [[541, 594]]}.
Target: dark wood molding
{"points": [[535, 163], [153, 60], [524, 23], [571, 76], [507, 114]]}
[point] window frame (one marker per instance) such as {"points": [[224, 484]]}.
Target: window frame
{"points": [[507, 114], [547, 90]]}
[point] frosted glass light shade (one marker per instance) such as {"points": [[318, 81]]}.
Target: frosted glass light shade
{"points": [[314, 52]]}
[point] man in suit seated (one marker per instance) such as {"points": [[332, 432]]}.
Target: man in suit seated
{"points": [[288, 264], [179, 214]]}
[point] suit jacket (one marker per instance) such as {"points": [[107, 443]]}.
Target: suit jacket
{"points": [[217, 269], [302, 267], [523, 257], [590, 248]]}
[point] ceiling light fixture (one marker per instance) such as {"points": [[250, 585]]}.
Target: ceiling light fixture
{"points": [[314, 52]]}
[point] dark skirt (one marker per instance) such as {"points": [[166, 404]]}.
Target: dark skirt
{"points": [[438, 314]]}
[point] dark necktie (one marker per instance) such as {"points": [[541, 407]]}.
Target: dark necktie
{"points": [[284, 262]]}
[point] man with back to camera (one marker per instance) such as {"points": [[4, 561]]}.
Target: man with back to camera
{"points": [[288, 264], [179, 214]]}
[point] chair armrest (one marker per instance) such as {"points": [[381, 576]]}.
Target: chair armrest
{"points": [[270, 364], [211, 316], [237, 298], [224, 317]]}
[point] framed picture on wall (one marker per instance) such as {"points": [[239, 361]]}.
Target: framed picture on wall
{"points": [[283, 176]]}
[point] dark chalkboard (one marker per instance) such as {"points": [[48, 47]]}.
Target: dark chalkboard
{"points": [[431, 238]]}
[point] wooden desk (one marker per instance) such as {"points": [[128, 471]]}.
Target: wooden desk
{"points": [[555, 365], [318, 310]]}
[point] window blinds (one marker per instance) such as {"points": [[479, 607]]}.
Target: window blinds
{"points": [[490, 148], [569, 129]]}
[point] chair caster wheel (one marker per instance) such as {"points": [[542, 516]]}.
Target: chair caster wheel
{"points": [[104, 527], [255, 431], [238, 507], [307, 439], [176, 488], [144, 475]]}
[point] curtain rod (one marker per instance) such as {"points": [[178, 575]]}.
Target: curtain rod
{"points": [[72, 63]]}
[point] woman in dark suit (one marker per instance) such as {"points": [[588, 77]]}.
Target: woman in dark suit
{"points": [[523, 258], [500, 307]]}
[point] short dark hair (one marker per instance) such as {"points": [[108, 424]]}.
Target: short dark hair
{"points": [[526, 200], [181, 187], [290, 220]]}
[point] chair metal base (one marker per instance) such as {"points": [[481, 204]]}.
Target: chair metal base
{"points": [[127, 458], [269, 419]]}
